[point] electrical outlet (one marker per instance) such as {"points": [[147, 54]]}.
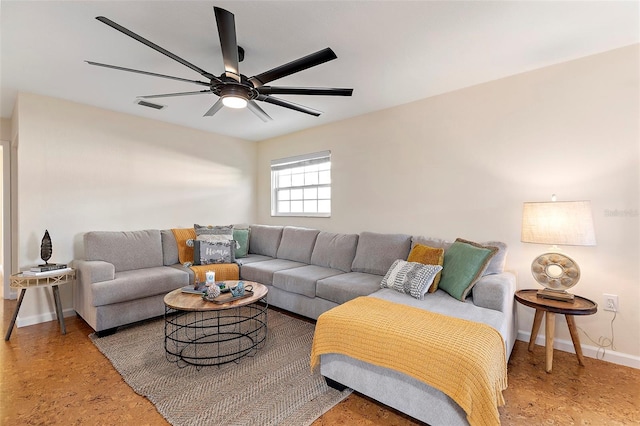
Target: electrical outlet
{"points": [[610, 302]]}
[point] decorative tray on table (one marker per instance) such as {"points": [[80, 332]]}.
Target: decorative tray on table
{"points": [[228, 297]]}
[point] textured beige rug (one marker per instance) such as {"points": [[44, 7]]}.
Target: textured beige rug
{"points": [[275, 387]]}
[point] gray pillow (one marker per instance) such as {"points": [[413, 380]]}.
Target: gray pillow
{"points": [[213, 233], [265, 239], [335, 251], [410, 278], [297, 244], [377, 252], [207, 252]]}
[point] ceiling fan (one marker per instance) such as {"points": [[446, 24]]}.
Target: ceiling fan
{"points": [[236, 90]]}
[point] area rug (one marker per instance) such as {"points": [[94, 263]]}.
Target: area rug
{"points": [[274, 387]]}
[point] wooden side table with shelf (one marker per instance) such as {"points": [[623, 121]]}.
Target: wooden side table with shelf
{"points": [[549, 308], [53, 280]]}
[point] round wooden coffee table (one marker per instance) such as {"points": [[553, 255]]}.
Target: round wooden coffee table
{"points": [[203, 333], [549, 308]]}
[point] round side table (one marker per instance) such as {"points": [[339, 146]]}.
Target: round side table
{"points": [[550, 307], [51, 279]]}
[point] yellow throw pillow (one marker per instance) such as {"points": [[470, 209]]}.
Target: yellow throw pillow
{"points": [[428, 256]]}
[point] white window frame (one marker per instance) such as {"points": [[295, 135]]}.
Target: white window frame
{"points": [[313, 175]]}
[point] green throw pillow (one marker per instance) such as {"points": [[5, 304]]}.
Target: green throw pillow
{"points": [[242, 238], [464, 264]]}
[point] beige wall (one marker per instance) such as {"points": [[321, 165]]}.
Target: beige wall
{"points": [[5, 129], [461, 165], [81, 168], [5, 225]]}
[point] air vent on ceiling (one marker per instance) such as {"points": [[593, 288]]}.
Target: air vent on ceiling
{"points": [[149, 104]]}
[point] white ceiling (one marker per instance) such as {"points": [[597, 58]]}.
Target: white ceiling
{"points": [[389, 52]]}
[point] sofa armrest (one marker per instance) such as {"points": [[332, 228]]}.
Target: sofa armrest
{"points": [[94, 271], [87, 273], [495, 291]]}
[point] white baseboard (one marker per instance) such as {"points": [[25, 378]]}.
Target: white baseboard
{"points": [[587, 350], [45, 317]]}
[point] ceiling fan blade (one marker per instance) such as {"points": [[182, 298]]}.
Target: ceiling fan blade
{"points": [[288, 104], [155, 47], [147, 73], [292, 67], [326, 91], [255, 108], [215, 108], [168, 95], [228, 43]]}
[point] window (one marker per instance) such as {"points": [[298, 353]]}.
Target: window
{"points": [[301, 185]]}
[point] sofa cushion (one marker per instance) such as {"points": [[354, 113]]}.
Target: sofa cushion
{"points": [[428, 256], [410, 278], [441, 303], [344, 287], [169, 248], [138, 284], [265, 239], [497, 262], [297, 244], [251, 258], [431, 242], [262, 272], [302, 280], [125, 250], [377, 252], [464, 263], [335, 251]]}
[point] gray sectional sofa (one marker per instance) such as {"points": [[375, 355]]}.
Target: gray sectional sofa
{"points": [[125, 276]]}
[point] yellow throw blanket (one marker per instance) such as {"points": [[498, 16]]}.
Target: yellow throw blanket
{"points": [[224, 271], [463, 359]]}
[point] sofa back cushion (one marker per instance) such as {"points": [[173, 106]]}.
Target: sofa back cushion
{"points": [[497, 263], [297, 244], [169, 248], [265, 239], [335, 251], [377, 252], [125, 250]]}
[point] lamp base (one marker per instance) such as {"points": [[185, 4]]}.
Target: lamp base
{"points": [[556, 295]]}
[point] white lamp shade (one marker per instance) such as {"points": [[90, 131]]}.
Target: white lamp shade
{"points": [[558, 222]]}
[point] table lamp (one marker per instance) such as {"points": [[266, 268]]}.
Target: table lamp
{"points": [[557, 223]]}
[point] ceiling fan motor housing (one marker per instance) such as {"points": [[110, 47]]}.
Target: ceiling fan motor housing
{"points": [[234, 89]]}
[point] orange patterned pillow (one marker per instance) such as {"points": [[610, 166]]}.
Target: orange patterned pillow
{"points": [[428, 256], [185, 254]]}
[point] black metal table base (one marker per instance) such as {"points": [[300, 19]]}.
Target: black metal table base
{"points": [[216, 337]]}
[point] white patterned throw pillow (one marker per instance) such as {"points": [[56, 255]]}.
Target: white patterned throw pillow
{"points": [[410, 278]]}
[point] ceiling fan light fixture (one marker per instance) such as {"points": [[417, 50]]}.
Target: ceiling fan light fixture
{"points": [[234, 102]]}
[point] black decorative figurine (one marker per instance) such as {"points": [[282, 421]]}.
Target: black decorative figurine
{"points": [[46, 249]]}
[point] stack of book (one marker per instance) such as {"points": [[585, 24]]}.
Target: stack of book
{"points": [[48, 269]]}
